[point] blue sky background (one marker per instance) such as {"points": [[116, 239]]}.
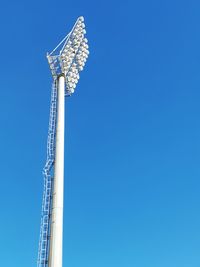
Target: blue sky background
{"points": [[133, 133]]}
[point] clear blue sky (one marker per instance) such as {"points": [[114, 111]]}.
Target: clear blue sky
{"points": [[133, 133]]}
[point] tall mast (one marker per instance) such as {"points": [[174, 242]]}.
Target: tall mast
{"points": [[66, 61], [56, 237]]}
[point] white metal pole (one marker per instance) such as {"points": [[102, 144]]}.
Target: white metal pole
{"points": [[56, 238]]}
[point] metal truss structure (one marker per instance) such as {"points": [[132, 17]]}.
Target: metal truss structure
{"points": [[67, 59]]}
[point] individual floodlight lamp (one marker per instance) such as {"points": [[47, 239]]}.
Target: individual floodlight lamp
{"points": [[66, 61]]}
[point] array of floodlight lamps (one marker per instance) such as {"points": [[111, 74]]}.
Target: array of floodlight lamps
{"points": [[71, 59]]}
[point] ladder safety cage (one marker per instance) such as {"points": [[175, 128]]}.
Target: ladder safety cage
{"points": [[48, 177]]}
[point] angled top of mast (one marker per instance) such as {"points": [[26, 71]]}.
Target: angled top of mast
{"points": [[69, 56]]}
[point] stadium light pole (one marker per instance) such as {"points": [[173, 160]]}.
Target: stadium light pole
{"points": [[66, 61], [56, 236]]}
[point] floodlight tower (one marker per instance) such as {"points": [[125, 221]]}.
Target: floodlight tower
{"points": [[66, 61]]}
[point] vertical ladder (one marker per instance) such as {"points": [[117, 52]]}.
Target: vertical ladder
{"points": [[48, 182]]}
